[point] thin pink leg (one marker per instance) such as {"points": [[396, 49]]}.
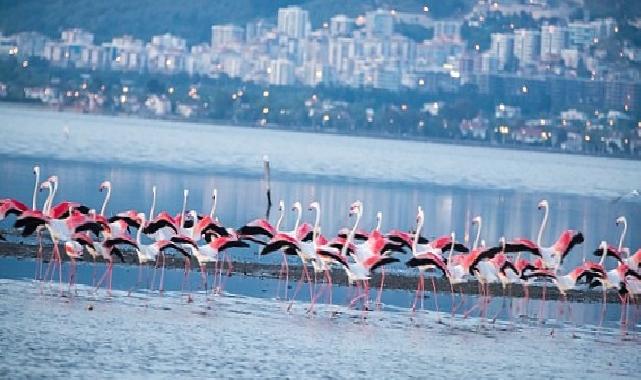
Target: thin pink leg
{"points": [[380, 290]]}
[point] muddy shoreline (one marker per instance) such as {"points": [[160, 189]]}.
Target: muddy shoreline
{"points": [[393, 280]]}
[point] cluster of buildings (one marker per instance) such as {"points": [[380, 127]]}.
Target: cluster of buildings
{"points": [[365, 51]]}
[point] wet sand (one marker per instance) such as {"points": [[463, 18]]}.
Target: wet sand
{"points": [[393, 279]]}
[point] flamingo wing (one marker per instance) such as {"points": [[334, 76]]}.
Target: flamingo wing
{"points": [[610, 251], [121, 240], [258, 227], [157, 224], [567, 241], [522, 245], [332, 254], [381, 261], [278, 244], [184, 240], [429, 259]]}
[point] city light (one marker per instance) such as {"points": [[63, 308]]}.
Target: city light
{"points": [[504, 129], [170, 90], [404, 107], [25, 63], [587, 138], [125, 89], [524, 89], [234, 96], [325, 118], [421, 82], [265, 93], [265, 110], [426, 8]]}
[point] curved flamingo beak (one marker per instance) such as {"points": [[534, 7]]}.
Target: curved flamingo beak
{"points": [[36, 170], [476, 220], [543, 203], [620, 220]]}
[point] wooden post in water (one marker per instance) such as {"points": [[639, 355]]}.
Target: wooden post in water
{"points": [[267, 185]]}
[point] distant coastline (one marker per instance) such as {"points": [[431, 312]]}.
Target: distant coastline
{"points": [[273, 126]]}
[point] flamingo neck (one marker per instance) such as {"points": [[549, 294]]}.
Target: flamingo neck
{"points": [[139, 233], [52, 195], [419, 227], [104, 203], [603, 255], [625, 229], [182, 213], [153, 204], [45, 206], [299, 215], [316, 226], [350, 236], [280, 218], [35, 190], [478, 235], [214, 201], [379, 221], [543, 225]]}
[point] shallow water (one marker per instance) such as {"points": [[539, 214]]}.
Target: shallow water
{"points": [[87, 334]]}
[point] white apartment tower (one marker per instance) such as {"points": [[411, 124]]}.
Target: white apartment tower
{"points": [[293, 22], [553, 39], [502, 48], [526, 46]]}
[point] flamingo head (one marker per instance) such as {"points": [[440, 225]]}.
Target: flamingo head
{"points": [[265, 158], [186, 193], [105, 185], [355, 208], [153, 189], [314, 206], [297, 206], [45, 185], [281, 205], [53, 179], [483, 243], [502, 242], [36, 170], [621, 220], [379, 215], [476, 220], [214, 194], [542, 204]]}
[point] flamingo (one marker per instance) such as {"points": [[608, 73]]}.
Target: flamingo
{"points": [[366, 257], [424, 260], [149, 252], [297, 242], [60, 230], [552, 256]]}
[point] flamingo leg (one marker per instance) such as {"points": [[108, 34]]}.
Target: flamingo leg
{"points": [[161, 287], [418, 290], [434, 294], [299, 285], [380, 290]]}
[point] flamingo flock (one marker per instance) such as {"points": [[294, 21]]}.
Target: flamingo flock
{"points": [[203, 238]]}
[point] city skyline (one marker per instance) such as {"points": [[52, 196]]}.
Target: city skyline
{"points": [[550, 79]]}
